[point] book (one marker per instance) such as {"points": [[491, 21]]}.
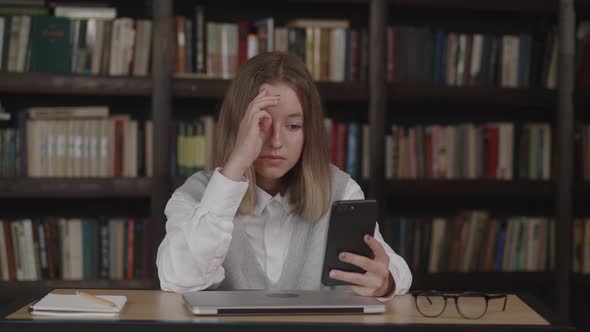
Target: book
{"points": [[74, 305]]}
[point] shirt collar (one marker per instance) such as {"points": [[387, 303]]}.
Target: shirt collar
{"points": [[263, 199]]}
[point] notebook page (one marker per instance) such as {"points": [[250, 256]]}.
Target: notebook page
{"points": [[75, 303]]}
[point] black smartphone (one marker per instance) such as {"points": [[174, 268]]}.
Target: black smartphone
{"points": [[348, 224]]}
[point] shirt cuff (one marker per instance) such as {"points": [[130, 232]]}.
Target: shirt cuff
{"points": [[222, 195], [395, 278]]}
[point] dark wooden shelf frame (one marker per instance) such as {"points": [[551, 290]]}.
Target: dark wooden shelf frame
{"points": [[469, 188], [72, 84], [75, 188]]}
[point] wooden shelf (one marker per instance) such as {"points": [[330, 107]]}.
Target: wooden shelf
{"points": [[407, 92], [216, 88], [524, 6], [469, 188], [98, 284], [482, 281], [74, 188], [70, 84]]}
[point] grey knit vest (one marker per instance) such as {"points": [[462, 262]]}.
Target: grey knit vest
{"points": [[302, 269]]}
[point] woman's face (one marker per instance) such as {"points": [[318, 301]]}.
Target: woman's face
{"points": [[283, 141]]}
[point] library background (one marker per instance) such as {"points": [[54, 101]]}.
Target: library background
{"points": [[465, 119]]}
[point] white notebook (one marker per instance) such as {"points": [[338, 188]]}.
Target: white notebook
{"points": [[76, 306]]}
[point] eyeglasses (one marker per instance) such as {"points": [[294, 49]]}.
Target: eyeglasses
{"points": [[470, 305]]}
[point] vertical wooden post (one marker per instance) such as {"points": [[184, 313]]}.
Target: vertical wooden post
{"points": [[162, 68], [563, 157], [377, 99]]}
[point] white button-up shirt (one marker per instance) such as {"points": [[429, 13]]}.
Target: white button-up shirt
{"points": [[198, 234]]}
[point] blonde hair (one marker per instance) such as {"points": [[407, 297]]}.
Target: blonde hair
{"points": [[308, 183]]}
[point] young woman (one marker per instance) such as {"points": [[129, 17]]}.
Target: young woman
{"points": [[259, 220]]}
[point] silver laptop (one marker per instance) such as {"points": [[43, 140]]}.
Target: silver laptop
{"points": [[250, 302]]}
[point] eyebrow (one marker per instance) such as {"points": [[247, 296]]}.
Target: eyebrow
{"points": [[295, 115]]}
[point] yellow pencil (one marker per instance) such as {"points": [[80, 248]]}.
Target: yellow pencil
{"points": [[96, 299]]}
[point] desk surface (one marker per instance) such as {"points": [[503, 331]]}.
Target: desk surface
{"points": [[147, 305]]}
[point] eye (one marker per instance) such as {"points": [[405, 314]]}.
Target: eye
{"points": [[294, 127]]}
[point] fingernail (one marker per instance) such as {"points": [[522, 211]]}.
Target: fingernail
{"points": [[342, 256], [332, 273]]}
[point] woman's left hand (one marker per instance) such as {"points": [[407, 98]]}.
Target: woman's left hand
{"points": [[377, 280]]}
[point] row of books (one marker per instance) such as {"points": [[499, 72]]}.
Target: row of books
{"points": [[193, 146], [76, 142], [581, 246], [68, 44], [348, 145], [75, 249], [332, 50], [420, 54], [474, 241], [469, 151]]}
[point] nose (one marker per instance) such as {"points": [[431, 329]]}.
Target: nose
{"points": [[276, 140]]}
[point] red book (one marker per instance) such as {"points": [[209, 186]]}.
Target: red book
{"points": [[342, 140], [180, 44], [428, 164], [243, 30], [492, 166], [353, 55], [130, 242]]}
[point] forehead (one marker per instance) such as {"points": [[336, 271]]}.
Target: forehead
{"points": [[289, 102]]}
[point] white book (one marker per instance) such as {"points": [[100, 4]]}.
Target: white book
{"points": [[3, 253], [143, 47], [66, 305], [76, 249], [23, 43], [29, 259], [84, 13], [337, 54], [224, 51], [436, 244], [476, 55], [461, 59], [510, 50], [97, 51]]}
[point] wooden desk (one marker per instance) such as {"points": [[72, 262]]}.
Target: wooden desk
{"points": [[149, 309]]}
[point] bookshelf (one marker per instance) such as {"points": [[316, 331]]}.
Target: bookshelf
{"points": [[376, 99]]}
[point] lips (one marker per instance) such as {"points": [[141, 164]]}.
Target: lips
{"points": [[272, 157]]}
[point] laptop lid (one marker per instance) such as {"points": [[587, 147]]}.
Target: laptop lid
{"points": [[253, 302]]}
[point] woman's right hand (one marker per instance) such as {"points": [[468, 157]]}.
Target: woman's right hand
{"points": [[253, 129]]}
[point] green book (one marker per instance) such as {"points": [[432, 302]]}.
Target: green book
{"points": [[50, 42]]}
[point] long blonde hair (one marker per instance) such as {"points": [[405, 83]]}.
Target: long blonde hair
{"points": [[309, 181]]}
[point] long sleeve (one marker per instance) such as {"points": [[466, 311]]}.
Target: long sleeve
{"points": [[397, 265], [199, 226]]}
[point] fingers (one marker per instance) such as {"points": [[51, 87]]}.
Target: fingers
{"points": [[377, 248], [262, 103], [354, 278], [364, 263]]}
